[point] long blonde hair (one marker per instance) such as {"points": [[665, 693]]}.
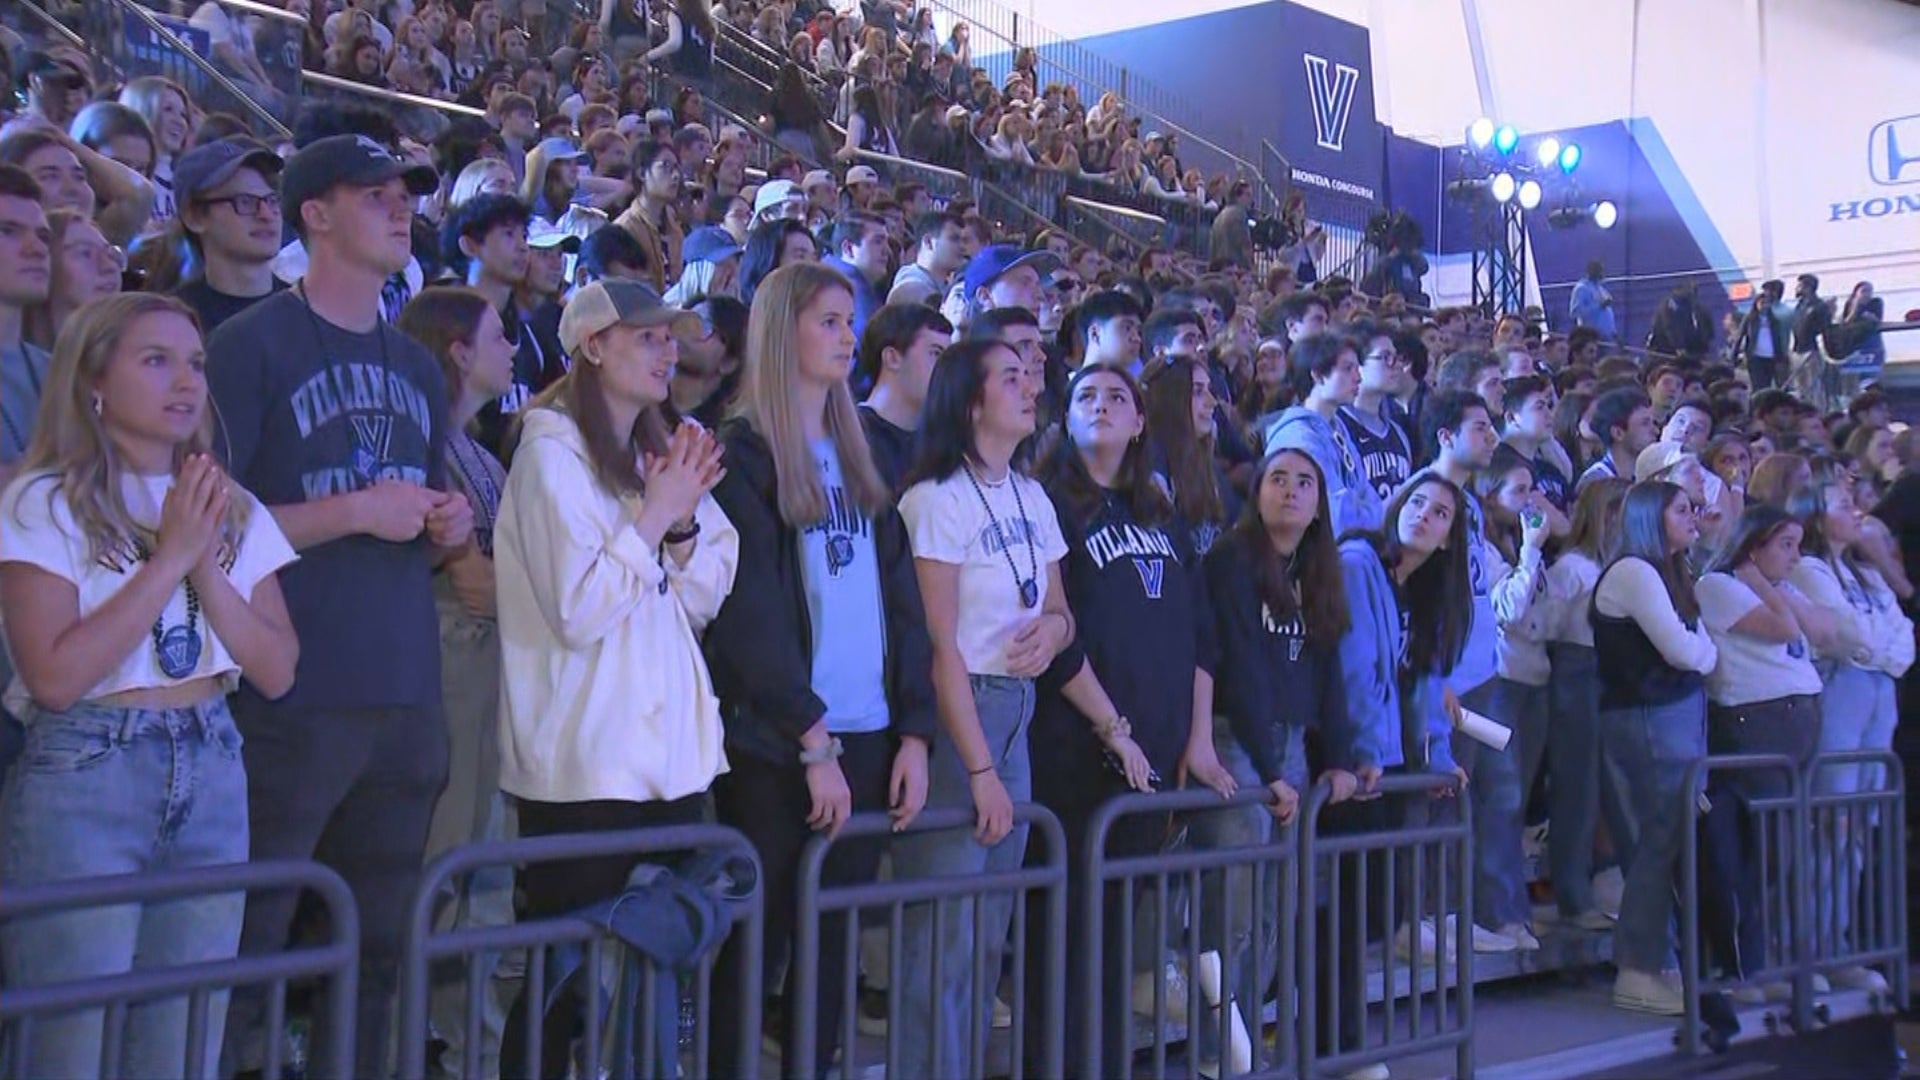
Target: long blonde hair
{"points": [[770, 402], [70, 442]]}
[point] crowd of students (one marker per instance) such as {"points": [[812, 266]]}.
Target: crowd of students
{"points": [[387, 513]]}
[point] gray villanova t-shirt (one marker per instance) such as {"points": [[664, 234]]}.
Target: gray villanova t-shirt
{"points": [[309, 411]]}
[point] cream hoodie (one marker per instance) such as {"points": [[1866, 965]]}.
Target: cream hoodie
{"points": [[604, 693]]}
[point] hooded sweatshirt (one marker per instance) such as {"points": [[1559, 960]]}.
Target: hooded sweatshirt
{"points": [[604, 694], [1393, 716], [1354, 503]]}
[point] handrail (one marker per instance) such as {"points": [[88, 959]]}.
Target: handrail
{"points": [[206, 67], [1122, 211], [55, 25], [909, 163], [263, 10], [335, 82]]}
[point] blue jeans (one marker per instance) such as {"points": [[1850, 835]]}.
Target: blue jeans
{"points": [[1858, 711], [1229, 906], [1582, 783], [1652, 747], [1499, 801], [1005, 706], [103, 791]]}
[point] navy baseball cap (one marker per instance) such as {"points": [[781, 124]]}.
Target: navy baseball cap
{"points": [[995, 260], [709, 243], [324, 164], [209, 165]]}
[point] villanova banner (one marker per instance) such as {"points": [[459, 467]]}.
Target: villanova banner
{"points": [[1328, 130]]}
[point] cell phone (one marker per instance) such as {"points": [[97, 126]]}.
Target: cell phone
{"points": [[1533, 519], [1119, 769]]}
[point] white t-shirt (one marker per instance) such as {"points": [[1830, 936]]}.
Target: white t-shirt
{"points": [[950, 522], [1750, 669], [41, 531]]}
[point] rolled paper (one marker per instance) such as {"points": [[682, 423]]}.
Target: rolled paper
{"points": [[1482, 730], [1238, 1060]]}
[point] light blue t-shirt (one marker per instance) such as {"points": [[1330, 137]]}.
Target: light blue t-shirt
{"points": [[841, 569]]}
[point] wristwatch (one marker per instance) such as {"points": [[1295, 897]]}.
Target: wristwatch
{"points": [[823, 754]]}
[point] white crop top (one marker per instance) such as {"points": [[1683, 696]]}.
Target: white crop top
{"points": [[37, 527]]}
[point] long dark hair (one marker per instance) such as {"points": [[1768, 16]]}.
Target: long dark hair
{"points": [[1189, 457], [1566, 426], [1282, 580], [1502, 528], [1759, 523], [1439, 595], [1643, 536], [762, 254], [958, 382], [1065, 474]]}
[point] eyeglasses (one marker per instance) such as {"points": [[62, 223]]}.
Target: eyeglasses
{"points": [[246, 205], [1389, 357]]}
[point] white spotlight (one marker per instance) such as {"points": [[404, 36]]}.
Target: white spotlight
{"points": [[1502, 187], [1605, 214], [1480, 133], [1529, 194], [1547, 151]]}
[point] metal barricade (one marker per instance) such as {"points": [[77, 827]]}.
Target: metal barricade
{"points": [[1256, 881], [337, 962], [1859, 841], [478, 946], [1360, 857], [1768, 864], [1047, 877]]}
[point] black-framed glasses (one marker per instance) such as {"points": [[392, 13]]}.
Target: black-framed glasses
{"points": [[1389, 357], [246, 205]]}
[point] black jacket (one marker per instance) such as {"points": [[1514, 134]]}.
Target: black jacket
{"points": [[759, 647]]}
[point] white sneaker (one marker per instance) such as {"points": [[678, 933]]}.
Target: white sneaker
{"points": [[1375, 1071], [1429, 941], [1645, 992], [1176, 993], [1609, 886], [1857, 978], [1522, 936], [1596, 920], [1002, 1014], [1490, 941], [1533, 841], [1761, 993]]}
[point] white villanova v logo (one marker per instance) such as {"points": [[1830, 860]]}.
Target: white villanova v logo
{"points": [[1332, 99]]}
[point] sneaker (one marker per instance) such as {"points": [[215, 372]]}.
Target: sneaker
{"points": [[1595, 920], [1533, 842], [1522, 936], [1761, 993], [1429, 941], [1003, 1015], [1376, 1071], [1176, 994], [1609, 886], [1856, 978], [1490, 941], [871, 1018], [1645, 992]]}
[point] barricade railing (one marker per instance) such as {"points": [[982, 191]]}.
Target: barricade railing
{"points": [[1044, 878], [138, 40], [203, 983], [479, 948], [1860, 916], [1828, 871], [1360, 864], [1756, 819], [1238, 896]]}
